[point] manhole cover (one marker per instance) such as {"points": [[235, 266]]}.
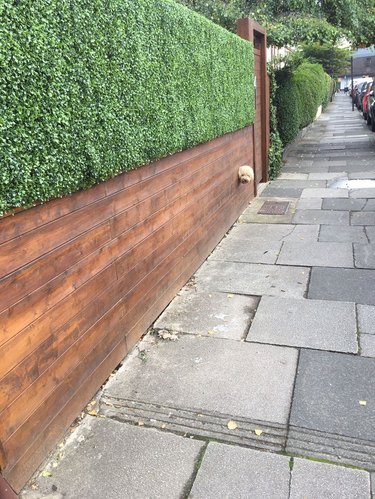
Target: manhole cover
{"points": [[274, 208]]}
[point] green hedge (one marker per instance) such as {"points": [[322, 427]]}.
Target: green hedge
{"points": [[299, 94], [91, 88]]}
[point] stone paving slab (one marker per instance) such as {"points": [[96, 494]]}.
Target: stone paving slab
{"points": [[243, 250], [317, 324], [114, 460], [209, 314], [341, 163], [362, 218], [320, 254], [213, 376], [286, 192], [364, 256], [321, 217], [367, 342], [336, 233], [275, 232], [250, 215], [351, 285], [303, 168], [253, 279], [324, 193], [354, 166], [314, 480], [293, 176], [362, 193], [366, 319], [362, 175], [370, 231], [328, 391], [370, 205], [295, 183], [327, 176], [344, 204], [234, 472], [309, 204]]}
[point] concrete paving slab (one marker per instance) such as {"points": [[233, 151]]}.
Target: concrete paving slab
{"points": [[303, 168], [322, 254], [362, 193], [317, 324], [234, 472], [287, 192], [341, 163], [370, 232], [364, 256], [367, 342], [344, 204], [108, 459], [321, 217], [327, 176], [321, 480], [362, 175], [335, 394], [253, 279], [209, 314], [356, 165], [293, 183], [293, 176], [373, 484], [362, 218], [213, 376], [366, 319], [340, 234], [250, 215], [351, 285], [370, 205], [309, 204], [233, 249], [275, 232], [324, 193]]}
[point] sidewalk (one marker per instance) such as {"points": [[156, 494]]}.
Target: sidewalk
{"points": [[258, 379]]}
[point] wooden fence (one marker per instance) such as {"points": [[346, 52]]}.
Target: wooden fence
{"points": [[83, 277]]}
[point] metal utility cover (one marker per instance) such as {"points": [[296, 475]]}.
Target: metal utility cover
{"points": [[274, 208]]}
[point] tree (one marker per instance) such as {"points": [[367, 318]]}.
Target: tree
{"points": [[333, 59], [291, 22]]}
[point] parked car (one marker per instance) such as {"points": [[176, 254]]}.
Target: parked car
{"points": [[371, 110], [370, 87], [357, 92], [361, 95]]}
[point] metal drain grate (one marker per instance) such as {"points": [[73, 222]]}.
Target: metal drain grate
{"points": [[274, 208]]}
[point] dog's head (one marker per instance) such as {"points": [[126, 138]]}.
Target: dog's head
{"points": [[245, 174]]}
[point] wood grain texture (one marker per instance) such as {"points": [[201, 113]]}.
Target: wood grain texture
{"points": [[85, 276]]}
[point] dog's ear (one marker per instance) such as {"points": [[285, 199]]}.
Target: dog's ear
{"points": [[245, 174]]}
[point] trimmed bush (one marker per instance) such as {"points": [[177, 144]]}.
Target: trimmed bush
{"points": [[89, 89], [300, 93]]}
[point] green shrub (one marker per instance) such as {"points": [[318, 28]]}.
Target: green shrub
{"points": [[287, 106], [91, 88], [275, 151], [301, 91]]}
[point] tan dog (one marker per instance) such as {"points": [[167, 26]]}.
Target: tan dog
{"points": [[245, 174]]}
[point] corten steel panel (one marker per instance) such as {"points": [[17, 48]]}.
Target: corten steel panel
{"points": [[86, 275]]}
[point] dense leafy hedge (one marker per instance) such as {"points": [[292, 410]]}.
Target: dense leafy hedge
{"points": [[90, 88], [299, 94], [275, 151]]}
